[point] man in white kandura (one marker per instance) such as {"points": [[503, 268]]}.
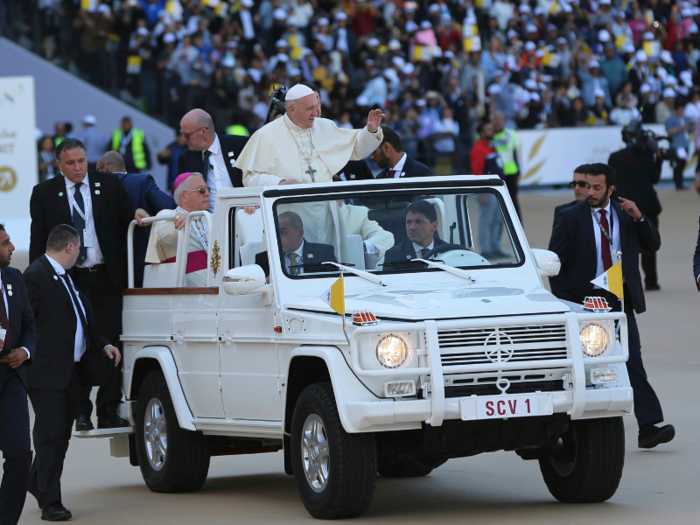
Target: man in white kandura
{"points": [[302, 147], [191, 194]]}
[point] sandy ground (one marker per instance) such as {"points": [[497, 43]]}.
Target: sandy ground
{"points": [[661, 485]]}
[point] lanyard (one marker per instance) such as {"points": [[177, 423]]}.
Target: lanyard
{"points": [[194, 226], [607, 236], [75, 204]]}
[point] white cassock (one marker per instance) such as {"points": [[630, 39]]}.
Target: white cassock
{"points": [[282, 150], [162, 244]]}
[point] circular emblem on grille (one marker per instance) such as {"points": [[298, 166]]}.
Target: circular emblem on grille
{"points": [[498, 347]]}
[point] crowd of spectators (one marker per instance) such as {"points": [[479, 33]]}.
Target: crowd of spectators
{"points": [[437, 68]]}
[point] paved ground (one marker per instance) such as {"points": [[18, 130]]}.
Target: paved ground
{"points": [[662, 485]]}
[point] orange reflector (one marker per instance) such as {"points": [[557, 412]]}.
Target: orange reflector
{"points": [[278, 329], [363, 318]]}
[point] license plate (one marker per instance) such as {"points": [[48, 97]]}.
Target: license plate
{"points": [[506, 406]]}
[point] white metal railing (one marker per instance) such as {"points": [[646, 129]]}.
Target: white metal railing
{"points": [[181, 253]]}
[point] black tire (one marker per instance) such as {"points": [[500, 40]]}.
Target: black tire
{"points": [[185, 464], [586, 466], [351, 473]]}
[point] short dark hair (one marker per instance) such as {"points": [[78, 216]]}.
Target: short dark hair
{"points": [[599, 168], [60, 237], [68, 144], [310, 85], [679, 103], [2, 227], [423, 207], [293, 217], [482, 125], [583, 168], [392, 138]]}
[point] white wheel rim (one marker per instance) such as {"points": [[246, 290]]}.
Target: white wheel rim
{"points": [[155, 434], [315, 454]]}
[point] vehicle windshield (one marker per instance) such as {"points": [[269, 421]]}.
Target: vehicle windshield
{"points": [[389, 232]]}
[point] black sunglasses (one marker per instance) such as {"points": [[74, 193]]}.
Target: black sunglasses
{"points": [[199, 190], [579, 183]]}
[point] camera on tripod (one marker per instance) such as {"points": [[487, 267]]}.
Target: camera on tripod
{"points": [[644, 139]]}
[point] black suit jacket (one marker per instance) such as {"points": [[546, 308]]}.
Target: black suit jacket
{"points": [[52, 363], [192, 160], [562, 207], [406, 251], [411, 168], [313, 252], [637, 172], [145, 194], [112, 211], [573, 240], [21, 317]]}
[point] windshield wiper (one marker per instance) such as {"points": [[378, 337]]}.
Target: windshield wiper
{"points": [[449, 269], [360, 273], [402, 264]]}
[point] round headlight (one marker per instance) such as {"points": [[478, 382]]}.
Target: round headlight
{"points": [[595, 339], [392, 351]]}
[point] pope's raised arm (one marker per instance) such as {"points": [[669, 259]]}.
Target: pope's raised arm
{"points": [[302, 147]]}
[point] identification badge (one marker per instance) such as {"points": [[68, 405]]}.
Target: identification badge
{"points": [[3, 332], [616, 257], [87, 238]]}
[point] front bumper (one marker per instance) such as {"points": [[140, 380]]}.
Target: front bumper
{"points": [[577, 400]]}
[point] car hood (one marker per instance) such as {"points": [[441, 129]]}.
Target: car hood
{"points": [[420, 303]]}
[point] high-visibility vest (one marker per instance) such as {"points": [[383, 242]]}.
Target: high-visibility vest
{"points": [[237, 129], [58, 140], [504, 144], [138, 154]]}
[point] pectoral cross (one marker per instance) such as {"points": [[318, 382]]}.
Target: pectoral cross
{"points": [[311, 172]]}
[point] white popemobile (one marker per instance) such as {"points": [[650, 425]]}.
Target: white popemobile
{"points": [[442, 356]]}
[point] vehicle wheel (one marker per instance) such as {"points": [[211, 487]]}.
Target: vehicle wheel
{"points": [[171, 459], [336, 472], [586, 465], [392, 463]]}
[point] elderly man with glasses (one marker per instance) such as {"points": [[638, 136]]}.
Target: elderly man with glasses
{"points": [[191, 194], [212, 155]]}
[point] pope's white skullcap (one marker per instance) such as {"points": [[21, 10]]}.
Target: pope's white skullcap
{"points": [[298, 92]]}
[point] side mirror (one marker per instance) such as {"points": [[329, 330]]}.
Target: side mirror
{"points": [[547, 262], [244, 279]]}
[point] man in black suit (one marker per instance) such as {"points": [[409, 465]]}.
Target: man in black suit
{"points": [[638, 170], [99, 208], [587, 246], [421, 225], [295, 249], [144, 194], [394, 162], [69, 352], [212, 155], [580, 192], [17, 344], [556, 283]]}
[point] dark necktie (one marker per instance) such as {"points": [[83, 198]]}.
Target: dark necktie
{"points": [[205, 164], [79, 222], [76, 302], [294, 268], [4, 321], [392, 173], [604, 243]]}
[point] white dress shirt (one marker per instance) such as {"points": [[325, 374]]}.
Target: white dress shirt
{"points": [[398, 167], [7, 309], [79, 348], [614, 222], [217, 178], [418, 247], [94, 254], [288, 260]]}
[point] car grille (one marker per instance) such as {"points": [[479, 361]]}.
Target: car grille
{"points": [[517, 344]]}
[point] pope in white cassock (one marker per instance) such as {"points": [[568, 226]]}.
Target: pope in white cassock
{"points": [[301, 147]]}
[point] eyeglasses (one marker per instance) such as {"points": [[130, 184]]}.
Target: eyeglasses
{"points": [[187, 135], [201, 190], [579, 183], [102, 168]]}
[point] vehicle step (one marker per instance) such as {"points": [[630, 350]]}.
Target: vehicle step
{"points": [[103, 432]]}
